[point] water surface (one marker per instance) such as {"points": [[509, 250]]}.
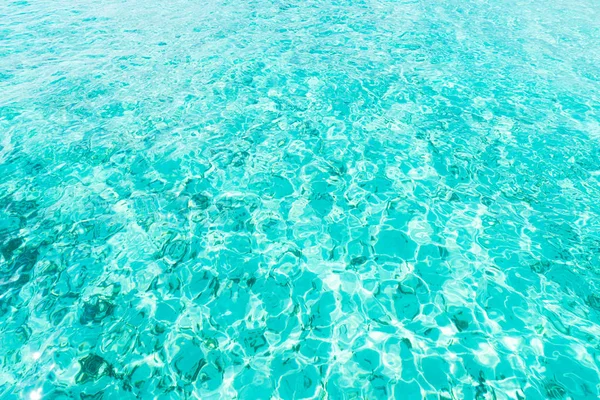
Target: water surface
{"points": [[291, 199]]}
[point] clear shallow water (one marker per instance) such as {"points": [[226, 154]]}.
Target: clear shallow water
{"points": [[284, 199]]}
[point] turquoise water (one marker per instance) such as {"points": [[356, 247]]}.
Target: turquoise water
{"points": [[297, 199]]}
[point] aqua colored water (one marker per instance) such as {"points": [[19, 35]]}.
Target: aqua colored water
{"points": [[283, 199]]}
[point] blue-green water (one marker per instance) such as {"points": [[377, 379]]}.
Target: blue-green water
{"points": [[291, 199]]}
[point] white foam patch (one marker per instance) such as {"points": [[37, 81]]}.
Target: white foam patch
{"points": [[511, 343], [332, 281]]}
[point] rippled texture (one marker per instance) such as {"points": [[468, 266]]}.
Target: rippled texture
{"points": [[300, 199]]}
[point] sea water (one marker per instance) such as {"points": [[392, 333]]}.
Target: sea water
{"points": [[284, 199]]}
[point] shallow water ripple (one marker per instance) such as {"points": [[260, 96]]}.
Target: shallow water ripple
{"points": [[292, 200]]}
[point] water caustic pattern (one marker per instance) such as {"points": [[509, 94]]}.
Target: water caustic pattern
{"points": [[300, 199]]}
